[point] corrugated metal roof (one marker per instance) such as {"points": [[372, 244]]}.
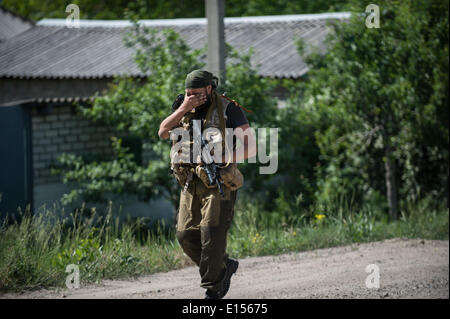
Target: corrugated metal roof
{"points": [[199, 21], [12, 24], [48, 100], [96, 49]]}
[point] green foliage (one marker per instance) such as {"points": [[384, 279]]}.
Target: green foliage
{"points": [[138, 107], [372, 89], [122, 175], [377, 93], [258, 232], [297, 151], [36, 249], [244, 84], [39, 9], [85, 252], [255, 93], [419, 219], [359, 98], [166, 9]]}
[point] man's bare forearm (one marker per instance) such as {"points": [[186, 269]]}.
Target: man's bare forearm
{"points": [[170, 122]]}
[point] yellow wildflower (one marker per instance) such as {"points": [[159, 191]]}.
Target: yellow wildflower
{"points": [[256, 237], [319, 216]]}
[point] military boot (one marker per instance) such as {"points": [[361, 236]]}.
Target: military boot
{"points": [[232, 266]]}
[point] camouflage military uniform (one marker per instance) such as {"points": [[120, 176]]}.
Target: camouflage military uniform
{"points": [[204, 216]]}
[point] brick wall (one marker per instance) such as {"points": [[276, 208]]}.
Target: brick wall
{"points": [[64, 131]]}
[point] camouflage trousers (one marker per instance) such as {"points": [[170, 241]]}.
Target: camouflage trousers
{"points": [[204, 218]]}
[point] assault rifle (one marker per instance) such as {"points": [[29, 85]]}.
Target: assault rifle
{"points": [[211, 168]]}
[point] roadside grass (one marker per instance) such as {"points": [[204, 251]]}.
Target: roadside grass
{"points": [[35, 250], [255, 233]]}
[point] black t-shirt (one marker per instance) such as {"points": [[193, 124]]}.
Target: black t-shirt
{"points": [[235, 117]]}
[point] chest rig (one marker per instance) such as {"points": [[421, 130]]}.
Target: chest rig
{"points": [[214, 118]]}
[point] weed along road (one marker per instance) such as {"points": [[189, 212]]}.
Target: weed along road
{"points": [[395, 268]]}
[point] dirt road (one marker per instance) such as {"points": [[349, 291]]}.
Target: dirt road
{"points": [[407, 268]]}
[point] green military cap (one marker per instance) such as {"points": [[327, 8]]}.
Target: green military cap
{"points": [[200, 79]]}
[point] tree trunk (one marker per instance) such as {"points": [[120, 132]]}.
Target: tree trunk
{"points": [[391, 185], [446, 192]]}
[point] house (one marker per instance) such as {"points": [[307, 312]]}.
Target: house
{"points": [[46, 66]]}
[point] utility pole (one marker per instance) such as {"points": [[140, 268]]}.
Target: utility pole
{"points": [[215, 11]]}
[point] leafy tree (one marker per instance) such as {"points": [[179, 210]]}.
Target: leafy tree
{"points": [[380, 102]]}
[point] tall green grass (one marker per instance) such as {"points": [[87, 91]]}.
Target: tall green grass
{"points": [[257, 232], [35, 250]]}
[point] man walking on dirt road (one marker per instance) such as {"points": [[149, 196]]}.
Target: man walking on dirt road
{"points": [[206, 206]]}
